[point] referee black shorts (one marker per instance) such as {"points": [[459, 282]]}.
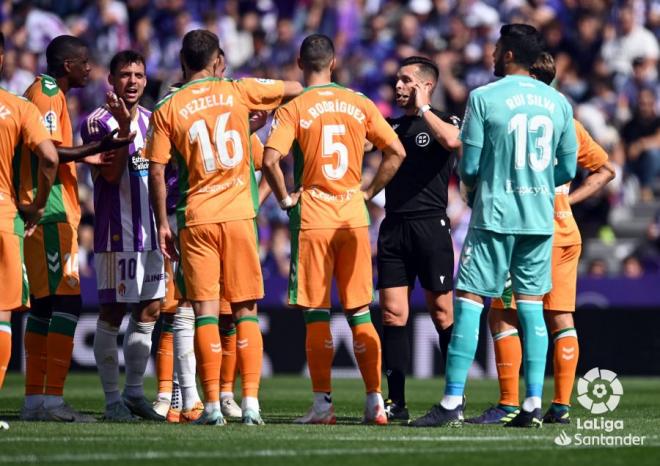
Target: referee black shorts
{"points": [[420, 247]]}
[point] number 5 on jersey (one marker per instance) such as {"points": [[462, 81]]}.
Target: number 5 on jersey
{"points": [[332, 147], [199, 133]]}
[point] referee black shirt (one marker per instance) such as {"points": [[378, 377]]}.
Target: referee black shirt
{"points": [[419, 187]]}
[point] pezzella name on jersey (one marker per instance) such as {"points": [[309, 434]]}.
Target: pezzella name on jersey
{"points": [[206, 102]]}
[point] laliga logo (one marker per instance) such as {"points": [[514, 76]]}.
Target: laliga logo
{"points": [[599, 391], [563, 439]]}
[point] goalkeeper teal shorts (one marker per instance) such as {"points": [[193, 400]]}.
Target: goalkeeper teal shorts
{"points": [[487, 257]]}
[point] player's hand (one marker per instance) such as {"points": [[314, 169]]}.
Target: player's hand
{"points": [[367, 194], [295, 198], [31, 216], [258, 120], [110, 142], [167, 244], [103, 159], [118, 109], [467, 194], [422, 95]]}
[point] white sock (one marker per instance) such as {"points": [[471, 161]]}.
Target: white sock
{"points": [[107, 362], [322, 401], [34, 401], [164, 396], [176, 396], [226, 395], [185, 364], [250, 402], [137, 350], [375, 399], [531, 403], [210, 406], [52, 401], [451, 401]]}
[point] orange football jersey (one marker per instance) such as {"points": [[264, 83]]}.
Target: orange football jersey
{"points": [[590, 157], [327, 126], [20, 124], [204, 126], [63, 204]]}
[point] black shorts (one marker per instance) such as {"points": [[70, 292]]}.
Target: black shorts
{"points": [[410, 248]]}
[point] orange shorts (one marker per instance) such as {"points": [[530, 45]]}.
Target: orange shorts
{"points": [[15, 294], [319, 255], [172, 294], [564, 282], [219, 256], [51, 258]]}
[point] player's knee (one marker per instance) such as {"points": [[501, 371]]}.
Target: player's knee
{"points": [[69, 304], [226, 323], [112, 315], [42, 307], [558, 321], [394, 315], [148, 313], [442, 318], [501, 320]]}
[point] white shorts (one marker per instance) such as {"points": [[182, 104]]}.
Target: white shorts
{"points": [[129, 277]]}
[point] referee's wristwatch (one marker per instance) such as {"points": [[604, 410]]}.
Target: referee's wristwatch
{"points": [[423, 109]]}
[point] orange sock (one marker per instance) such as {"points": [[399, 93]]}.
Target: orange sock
{"points": [[165, 359], [366, 346], [508, 356], [228, 369], [319, 349], [566, 354], [36, 333], [59, 348], [209, 355], [250, 352], [5, 349]]}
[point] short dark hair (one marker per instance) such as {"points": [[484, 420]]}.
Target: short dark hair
{"points": [[198, 48], [316, 52], [59, 50], [524, 41], [425, 65], [544, 68], [123, 58]]}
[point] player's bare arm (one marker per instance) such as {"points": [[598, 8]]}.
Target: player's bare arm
{"points": [[275, 178], [291, 89], [115, 169], [95, 153], [393, 156], [157, 191], [593, 183], [48, 163]]}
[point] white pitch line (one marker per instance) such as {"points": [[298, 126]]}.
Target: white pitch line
{"points": [[4, 439], [282, 453]]}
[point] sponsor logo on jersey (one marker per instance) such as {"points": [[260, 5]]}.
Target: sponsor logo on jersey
{"points": [[50, 121]]}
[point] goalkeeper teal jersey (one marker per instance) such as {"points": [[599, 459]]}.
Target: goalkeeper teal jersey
{"points": [[524, 130]]}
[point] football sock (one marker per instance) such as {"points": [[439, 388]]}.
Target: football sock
{"points": [[366, 347], [374, 399], [319, 349], [322, 401], [59, 348], [209, 351], [250, 351], [444, 337], [36, 335], [228, 367], [176, 402], [396, 358], [508, 358], [462, 349], [165, 362], [250, 402], [185, 363], [137, 349], [106, 354], [5, 349], [535, 350], [566, 354]]}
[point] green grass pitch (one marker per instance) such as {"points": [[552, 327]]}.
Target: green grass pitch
{"points": [[348, 443]]}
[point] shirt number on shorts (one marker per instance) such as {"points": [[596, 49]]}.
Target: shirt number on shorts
{"points": [[541, 154], [132, 268], [200, 134], [332, 147]]}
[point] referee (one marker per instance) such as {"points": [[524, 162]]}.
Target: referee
{"points": [[414, 239]]}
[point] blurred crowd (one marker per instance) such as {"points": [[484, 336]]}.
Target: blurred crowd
{"points": [[606, 54]]}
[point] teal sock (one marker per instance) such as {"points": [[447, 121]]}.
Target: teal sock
{"points": [[463, 344], [535, 345], [507, 408]]}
